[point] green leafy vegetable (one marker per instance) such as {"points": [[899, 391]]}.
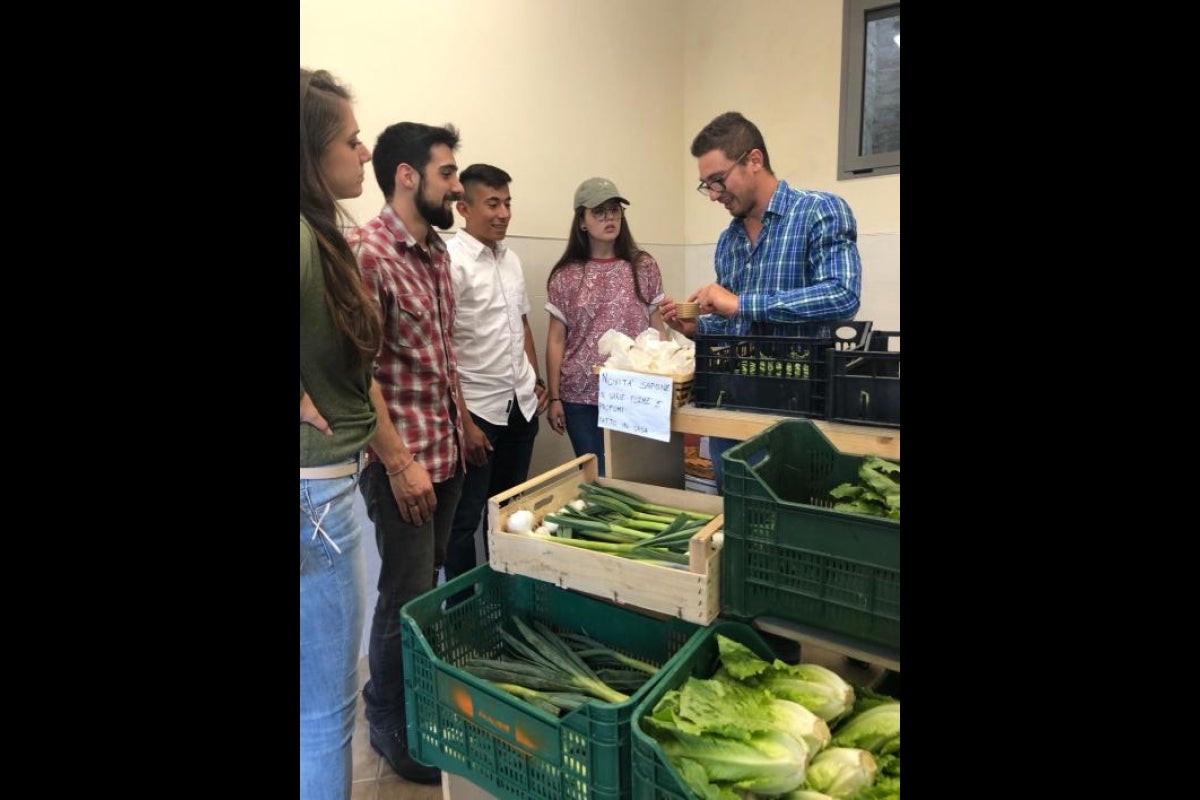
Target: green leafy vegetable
{"points": [[820, 690], [876, 729], [746, 732], [771, 762], [841, 771], [877, 493]]}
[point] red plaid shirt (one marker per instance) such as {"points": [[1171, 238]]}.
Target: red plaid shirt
{"points": [[415, 368]]}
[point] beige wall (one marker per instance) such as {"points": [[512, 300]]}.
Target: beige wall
{"points": [[552, 91], [779, 63], [555, 91]]}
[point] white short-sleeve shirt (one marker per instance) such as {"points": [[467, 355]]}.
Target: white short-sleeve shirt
{"points": [[488, 335]]}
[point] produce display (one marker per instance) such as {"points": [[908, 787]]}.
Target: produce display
{"points": [[877, 492], [759, 729], [618, 522], [793, 364], [559, 673]]}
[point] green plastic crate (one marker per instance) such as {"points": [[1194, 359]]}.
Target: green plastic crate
{"points": [[466, 726], [788, 554], [654, 777]]}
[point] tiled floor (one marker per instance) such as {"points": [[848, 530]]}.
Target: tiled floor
{"points": [[373, 778]]}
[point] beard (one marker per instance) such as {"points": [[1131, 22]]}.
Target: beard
{"points": [[434, 213], [738, 211]]}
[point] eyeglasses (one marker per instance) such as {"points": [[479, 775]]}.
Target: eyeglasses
{"points": [[718, 184], [610, 210]]}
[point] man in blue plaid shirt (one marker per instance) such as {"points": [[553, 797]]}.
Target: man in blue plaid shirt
{"points": [[788, 263]]}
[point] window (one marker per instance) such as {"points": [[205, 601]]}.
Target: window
{"points": [[869, 136]]}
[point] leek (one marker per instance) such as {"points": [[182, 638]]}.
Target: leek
{"points": [[638, 503]]}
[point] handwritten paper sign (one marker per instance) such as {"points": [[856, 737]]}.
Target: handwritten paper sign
{"points": [[637, 403]]}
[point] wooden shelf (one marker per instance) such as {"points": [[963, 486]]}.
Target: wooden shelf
{"points": [[636, 458], [858, 439]]}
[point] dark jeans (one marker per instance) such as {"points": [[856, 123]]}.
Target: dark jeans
{"points": [[507, 465], [410, 557], [716, 446], [583, 427]]}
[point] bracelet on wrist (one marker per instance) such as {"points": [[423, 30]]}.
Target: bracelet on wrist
{"points": [[398, 470], [555, 400]]}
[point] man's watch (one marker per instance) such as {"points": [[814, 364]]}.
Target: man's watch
{"points": [[540, 383]]}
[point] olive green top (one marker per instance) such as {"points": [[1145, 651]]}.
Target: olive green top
{"points": [[338, 388]]}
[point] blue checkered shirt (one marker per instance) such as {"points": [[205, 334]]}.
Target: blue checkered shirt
{"points": [[801, 274]]}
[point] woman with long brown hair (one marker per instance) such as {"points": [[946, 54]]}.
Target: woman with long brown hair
{"points": [[339, 336], [603, 281]]}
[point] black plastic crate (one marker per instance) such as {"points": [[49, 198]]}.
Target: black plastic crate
{"points": [[773, 374], [864, 386]]}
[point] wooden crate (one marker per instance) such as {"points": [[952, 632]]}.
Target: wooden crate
{"points": [[691, 594], [682, 385]]}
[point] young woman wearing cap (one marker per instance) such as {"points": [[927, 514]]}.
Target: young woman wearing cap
{"points": [[602, 281]]}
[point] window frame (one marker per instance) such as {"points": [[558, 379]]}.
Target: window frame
{"points": [[851, 164]]}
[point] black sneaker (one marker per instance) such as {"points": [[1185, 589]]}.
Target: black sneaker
{"points": [[394, 748]]}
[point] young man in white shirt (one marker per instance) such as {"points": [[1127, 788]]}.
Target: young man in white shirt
{"points": [[497, 360]]}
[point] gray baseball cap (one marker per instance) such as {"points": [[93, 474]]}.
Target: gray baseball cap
{"points": [[595, 191]]}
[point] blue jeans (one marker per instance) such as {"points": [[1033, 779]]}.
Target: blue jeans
{"points": [[585, 432], [332, 575], [716, 446], [410, 557], [507, 465]]}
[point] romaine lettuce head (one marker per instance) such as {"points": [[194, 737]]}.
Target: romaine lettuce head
{"points": [[876, 729], [738, 711], [820, 690], [797, 720], [841, 771], [887, 781], [817, 688], [770, 762], [805, 794]]}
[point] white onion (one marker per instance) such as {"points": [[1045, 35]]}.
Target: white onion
{"points": [[520, 521]]}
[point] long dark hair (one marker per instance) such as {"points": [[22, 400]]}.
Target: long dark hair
{"points": [[579, 250], [351, 308]]}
